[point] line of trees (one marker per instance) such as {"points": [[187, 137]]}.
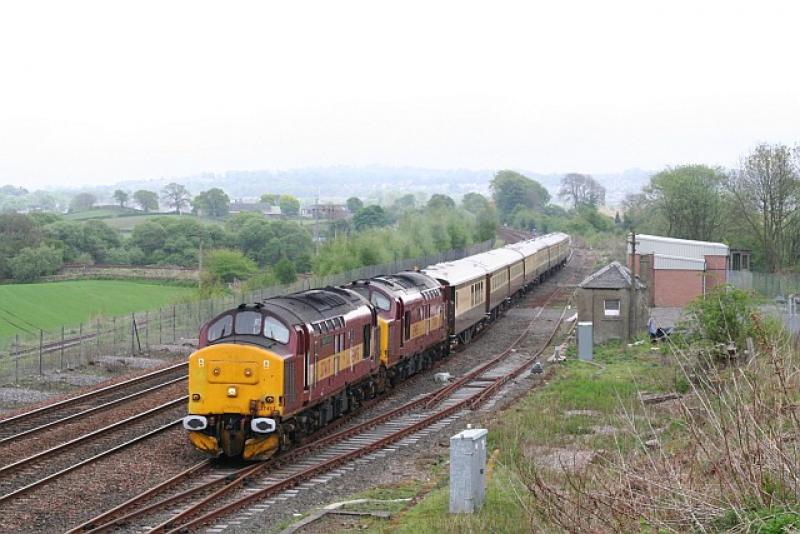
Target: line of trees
{"points": [[756, 206]]}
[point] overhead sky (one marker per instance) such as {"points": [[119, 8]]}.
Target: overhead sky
{"points": [[97, 92]]}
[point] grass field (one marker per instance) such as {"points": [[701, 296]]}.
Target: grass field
{"points": [[126, 224], [100, 212], [27, 308]]}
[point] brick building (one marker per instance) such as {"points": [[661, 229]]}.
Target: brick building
{"points": [[678, 270], [605, 298]]}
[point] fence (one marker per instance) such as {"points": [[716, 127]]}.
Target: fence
{"points": [[39, 353], [782, 288]]}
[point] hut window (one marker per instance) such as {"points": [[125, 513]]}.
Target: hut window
{"points": [[611, 307]]}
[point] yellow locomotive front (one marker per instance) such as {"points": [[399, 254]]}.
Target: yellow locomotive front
{"points": [[235, 397]]}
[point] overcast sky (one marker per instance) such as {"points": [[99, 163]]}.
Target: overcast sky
{"points": [[96, 92]]}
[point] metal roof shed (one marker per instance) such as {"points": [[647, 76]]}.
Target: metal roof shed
{"points": [[670, 246]]}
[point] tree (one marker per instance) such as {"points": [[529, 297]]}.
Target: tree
{"points": [[121, 197], [404, 203], [147, 200], [16, 233], [213, 202], [372, 216], [98, 239], [688, 201], [510, 189], [441, 202], [290, 206], [31, 263], [176, 196], [269, 198], [475, 202], [285, 272], [267, 242], [581, 189], [766, 189], [82, 202], [149, 237], [354, 204], [224, 265]]}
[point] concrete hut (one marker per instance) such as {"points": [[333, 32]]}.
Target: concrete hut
{"points": [[605, 297]]}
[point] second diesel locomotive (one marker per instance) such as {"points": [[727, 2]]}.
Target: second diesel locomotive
{"points": [[269, 374]]}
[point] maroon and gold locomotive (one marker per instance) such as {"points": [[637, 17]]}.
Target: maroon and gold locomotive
{"points": [[268, 374]]}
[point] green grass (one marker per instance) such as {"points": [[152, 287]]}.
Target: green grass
{"points": [[100, 212], [539, 422], [126, 224], [27, 308]]}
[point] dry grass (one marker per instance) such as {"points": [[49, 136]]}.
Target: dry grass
{"points": [[725, 458]]}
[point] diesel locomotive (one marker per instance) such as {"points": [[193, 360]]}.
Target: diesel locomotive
{"points": [[268, 374]]}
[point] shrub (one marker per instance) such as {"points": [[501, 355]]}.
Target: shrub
{"points": [[723, 315], [31, 263], [227, 265]]}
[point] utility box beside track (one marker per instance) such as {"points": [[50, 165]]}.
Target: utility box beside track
{"points": [[467, 470]]}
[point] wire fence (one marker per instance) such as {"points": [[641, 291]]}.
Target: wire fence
{"points": [[782, 289], [27, 355], [770, 285]]}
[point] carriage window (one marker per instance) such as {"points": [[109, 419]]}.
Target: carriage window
{"points": [[248, 323], [274, 329], [223, 327], [379, 301]]}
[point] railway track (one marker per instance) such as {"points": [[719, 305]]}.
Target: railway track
{"points": [[92, 402], [26, 474], [202, 494]]}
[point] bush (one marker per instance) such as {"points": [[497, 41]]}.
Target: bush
{"points": [[31, 263], [285, 272], [224, 265], [724, 315]]}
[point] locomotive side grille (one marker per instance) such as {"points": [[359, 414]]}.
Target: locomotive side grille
{"points": [[288, 384]]}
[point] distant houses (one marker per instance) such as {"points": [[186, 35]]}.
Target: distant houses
{"points": [[326, 211]]}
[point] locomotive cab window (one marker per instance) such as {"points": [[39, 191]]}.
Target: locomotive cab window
{"points": [[248, 323], [380, 301], [274, 330], [222, 328]]}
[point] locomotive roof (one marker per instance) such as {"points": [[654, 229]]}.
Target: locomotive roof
{"points": [[456, 272], [315, 304], [497, 258], [407, 280]]}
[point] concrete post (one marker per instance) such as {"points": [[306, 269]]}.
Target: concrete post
{"points": [[585, 343], [467, 470]]}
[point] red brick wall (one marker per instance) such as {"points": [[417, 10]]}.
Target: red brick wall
{"points": [[676, 287], [717, 270]]}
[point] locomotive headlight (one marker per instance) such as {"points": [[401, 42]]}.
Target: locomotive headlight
{"points": [[232, 391], [195, 397], [216, 371], [248, 372], [269, 399]]}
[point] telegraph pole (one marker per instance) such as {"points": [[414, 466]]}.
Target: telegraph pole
{"points": [[632, 319]]}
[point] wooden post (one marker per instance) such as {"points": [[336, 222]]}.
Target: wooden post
{"points": [[80, 349], [632, 303], [62, 347], [16, 359], [41, 339]]}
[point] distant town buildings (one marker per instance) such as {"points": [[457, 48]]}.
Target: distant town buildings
{"points": [[326, 211]]}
